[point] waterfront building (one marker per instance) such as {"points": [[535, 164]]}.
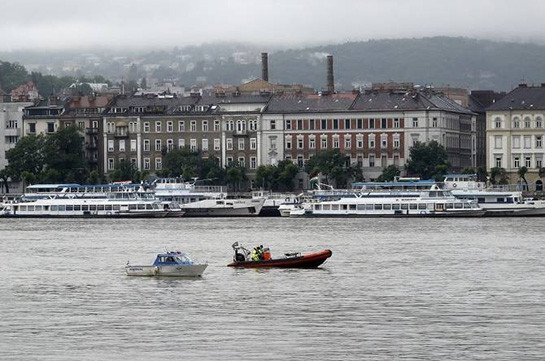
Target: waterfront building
{"points": [[43, 117], [515, 133], [85, 113]]}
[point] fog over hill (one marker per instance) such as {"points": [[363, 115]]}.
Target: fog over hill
{"points": [[461, 62]]}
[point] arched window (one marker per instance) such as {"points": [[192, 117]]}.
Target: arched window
{"points": [[497, 122], [539, 122], [527, 122], [516, 122]]}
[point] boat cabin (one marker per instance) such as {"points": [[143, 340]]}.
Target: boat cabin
{"points": [[172, 258]]}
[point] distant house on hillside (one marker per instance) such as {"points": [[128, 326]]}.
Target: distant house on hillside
{"points": [[25, 93]]}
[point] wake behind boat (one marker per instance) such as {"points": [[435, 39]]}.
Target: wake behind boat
{"points": [[243, 258]]}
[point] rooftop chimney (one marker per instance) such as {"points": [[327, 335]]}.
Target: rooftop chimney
{"points": [[330, 79], [265, 66]]}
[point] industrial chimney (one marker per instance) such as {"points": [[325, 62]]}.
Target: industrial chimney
{"points": [[330, 79], [265, 66]]}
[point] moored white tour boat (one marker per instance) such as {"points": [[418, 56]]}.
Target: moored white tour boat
{"points": [[120, 204], [432, 203], [238, 207], [171, 264]]}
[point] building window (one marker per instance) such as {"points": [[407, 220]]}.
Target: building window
{"points": [[396, 142], [539, 162], [516, 162], [324, 124], [497, 122], [498, 142], [539, 141], [170, 126], [241, 126], [371, 123], [229, 144], [300, 124], [146, 127], [252, 124], [193, 145], [253, 143], [498, 161], [205, 125], [396, 122], [527, 142], [111, 164], [371, 160], [347, 141], [359, 123], [528, 162], [539, 122], [230, 125], [273, 124], [312, 142], [158, 127], [516, 122], [311, 124], [133, 145], [300, 161], [181, 143], [300, 142], [335, 123], [122, 145], [527, 122], [323, 145], [359, 141], [229, 161], [241, 144], [146, 145], [288, 124], [217, 126], [347, 124], [32, 128], [147, 164], [181, 126], [384, 141], [371, 141], [415, 122], [242, 162], [193, 126], [288, 142], [205, 144], [170, 144], [384, 123], [217, 144], [50, 127], [110, 145], [158, 163], [157, 145], [336, 141], [434, 122]]}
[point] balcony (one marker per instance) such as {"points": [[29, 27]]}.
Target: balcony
{"points": [[13, 132], [91, 130], [240, 132]]}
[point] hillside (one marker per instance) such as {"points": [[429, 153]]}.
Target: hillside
{"points": [[469, 63]]}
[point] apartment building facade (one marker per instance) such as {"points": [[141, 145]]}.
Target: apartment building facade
{"points": [[516, 131], [11, 124]]}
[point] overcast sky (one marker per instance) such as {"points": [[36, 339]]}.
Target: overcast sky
{"points": [[31, 24]]}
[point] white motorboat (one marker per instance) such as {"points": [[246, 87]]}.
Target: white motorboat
{"points": [[238, 207], [171, 264]]}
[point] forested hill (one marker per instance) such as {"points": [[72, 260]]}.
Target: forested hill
{"points": [[468, 63]]}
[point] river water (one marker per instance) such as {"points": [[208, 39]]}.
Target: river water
{"points": [[426, 289]]}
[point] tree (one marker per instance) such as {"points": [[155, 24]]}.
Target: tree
{"points": [[332, 164], [26, 156], [12, 75], [498, 175], [428, 160], [63, 151], [126, 171], [522, 175], [389, 173], [4, 176], [541, 172]]}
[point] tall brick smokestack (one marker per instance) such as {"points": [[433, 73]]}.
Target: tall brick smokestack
{"points": [[330, 79], [265, 66]]}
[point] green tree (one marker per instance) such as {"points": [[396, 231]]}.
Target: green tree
{"points": [[389, 173], [332, 164], [94, 178], [26, 156], [126, 171], [522, 175], [498, 175], [63, 151], [541, 172], [4, 176], [428, 160], [12, 75]]}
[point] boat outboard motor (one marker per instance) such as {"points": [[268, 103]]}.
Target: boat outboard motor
{"points": [[239, 257]]}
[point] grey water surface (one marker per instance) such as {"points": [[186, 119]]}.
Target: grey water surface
{"points": [[423, 289]]}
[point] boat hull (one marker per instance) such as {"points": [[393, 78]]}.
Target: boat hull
{"points": [[474, 213], [309, 260], [194, 270], [220, 212]]}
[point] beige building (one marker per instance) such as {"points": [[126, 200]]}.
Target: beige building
{"points": [[515, 133]]}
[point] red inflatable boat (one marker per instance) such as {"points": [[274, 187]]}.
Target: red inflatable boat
{"points": [[291, 260]]}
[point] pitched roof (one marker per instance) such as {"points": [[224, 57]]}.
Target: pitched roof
{"points": [[522, 98], [310, 103]]}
